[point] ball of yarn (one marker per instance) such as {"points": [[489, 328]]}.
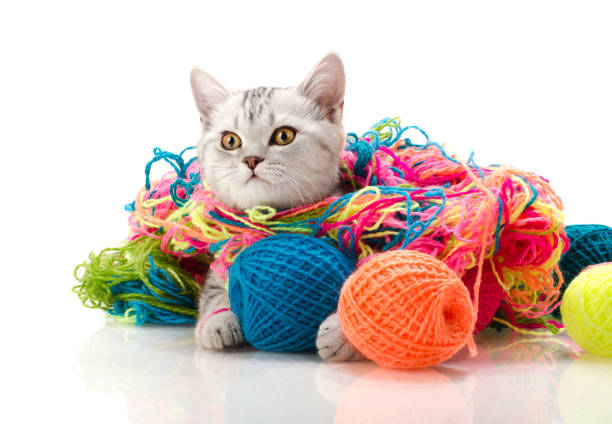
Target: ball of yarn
{"points": [[587, 309], [406, 309], [589, 245], [283, 287], [489, 297]]}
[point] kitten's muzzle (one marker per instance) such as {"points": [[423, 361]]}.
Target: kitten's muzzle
{"points": [[252, 161]]}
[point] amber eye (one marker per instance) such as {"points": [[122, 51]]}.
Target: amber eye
{"points": [[230, 141], [283, 136]]}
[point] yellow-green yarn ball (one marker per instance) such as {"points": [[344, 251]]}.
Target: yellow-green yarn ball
{"points": [[587, 309]]}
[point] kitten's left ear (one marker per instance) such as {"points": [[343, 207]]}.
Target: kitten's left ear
{"points": [[325, 86]]}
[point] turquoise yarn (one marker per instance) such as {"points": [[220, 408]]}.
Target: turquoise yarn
{"points": [[589, 245], [143, 312], [283, 287]]}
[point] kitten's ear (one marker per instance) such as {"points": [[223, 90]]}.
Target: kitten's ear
{"points": [[325, 86], [207, 92]]}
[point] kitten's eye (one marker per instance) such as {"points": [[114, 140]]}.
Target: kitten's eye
{"points": [[230, 141], [283, 136]]}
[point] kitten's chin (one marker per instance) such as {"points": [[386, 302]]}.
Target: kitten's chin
{"points": [[255, 191], [267, 195], [258, 191]]}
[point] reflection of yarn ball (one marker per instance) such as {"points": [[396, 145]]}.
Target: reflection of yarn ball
{"points": [[272, 389], [489, 298], [587, 309], [283, 287], [385, 396], [531, 384], [589, 245], [585, 391], [406, 309]]}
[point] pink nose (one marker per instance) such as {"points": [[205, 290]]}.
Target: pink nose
{"points": [[252, 161]]}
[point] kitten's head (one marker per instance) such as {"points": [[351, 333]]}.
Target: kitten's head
{"points": [[272, 146]]}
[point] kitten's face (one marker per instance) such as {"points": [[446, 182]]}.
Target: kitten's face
{"points": [[272, 146]]}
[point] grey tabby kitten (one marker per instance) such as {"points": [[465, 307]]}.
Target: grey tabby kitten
{"points": [[269, 146]]}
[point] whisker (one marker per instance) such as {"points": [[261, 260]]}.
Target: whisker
{"points": [[221, 167], [229, 174], [298, 190], [306, 179]]}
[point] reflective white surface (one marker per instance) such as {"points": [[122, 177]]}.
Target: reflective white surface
{"points": [[163, 378]]}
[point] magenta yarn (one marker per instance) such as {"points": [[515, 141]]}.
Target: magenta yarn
{"points": [[490, 297]]}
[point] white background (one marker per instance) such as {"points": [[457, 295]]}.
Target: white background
{"points": [[87, 89]]}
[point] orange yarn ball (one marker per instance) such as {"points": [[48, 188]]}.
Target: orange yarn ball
{"points": [[406, 309]]}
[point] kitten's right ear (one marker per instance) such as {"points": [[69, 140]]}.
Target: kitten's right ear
{"points": [[207, 93]]}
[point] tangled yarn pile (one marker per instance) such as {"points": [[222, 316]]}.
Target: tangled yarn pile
{"points": [[402, 194]]}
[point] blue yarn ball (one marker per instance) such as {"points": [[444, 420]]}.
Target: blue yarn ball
{"points": [[283, 287]]}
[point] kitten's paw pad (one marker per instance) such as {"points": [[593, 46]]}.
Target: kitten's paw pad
{"points": [[332, 344], [219, 331]]}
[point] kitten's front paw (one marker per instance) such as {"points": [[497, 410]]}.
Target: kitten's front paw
{"points": [[219, 331], [332, 344]]}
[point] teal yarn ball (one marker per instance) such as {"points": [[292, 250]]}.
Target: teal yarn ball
{"points": [[589, 245], [283, 287]]}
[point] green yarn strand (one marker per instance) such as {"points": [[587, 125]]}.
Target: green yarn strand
{"points": [[139, 282]]}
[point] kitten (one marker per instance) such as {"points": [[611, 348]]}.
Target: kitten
{"points": [[269, 146]]}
